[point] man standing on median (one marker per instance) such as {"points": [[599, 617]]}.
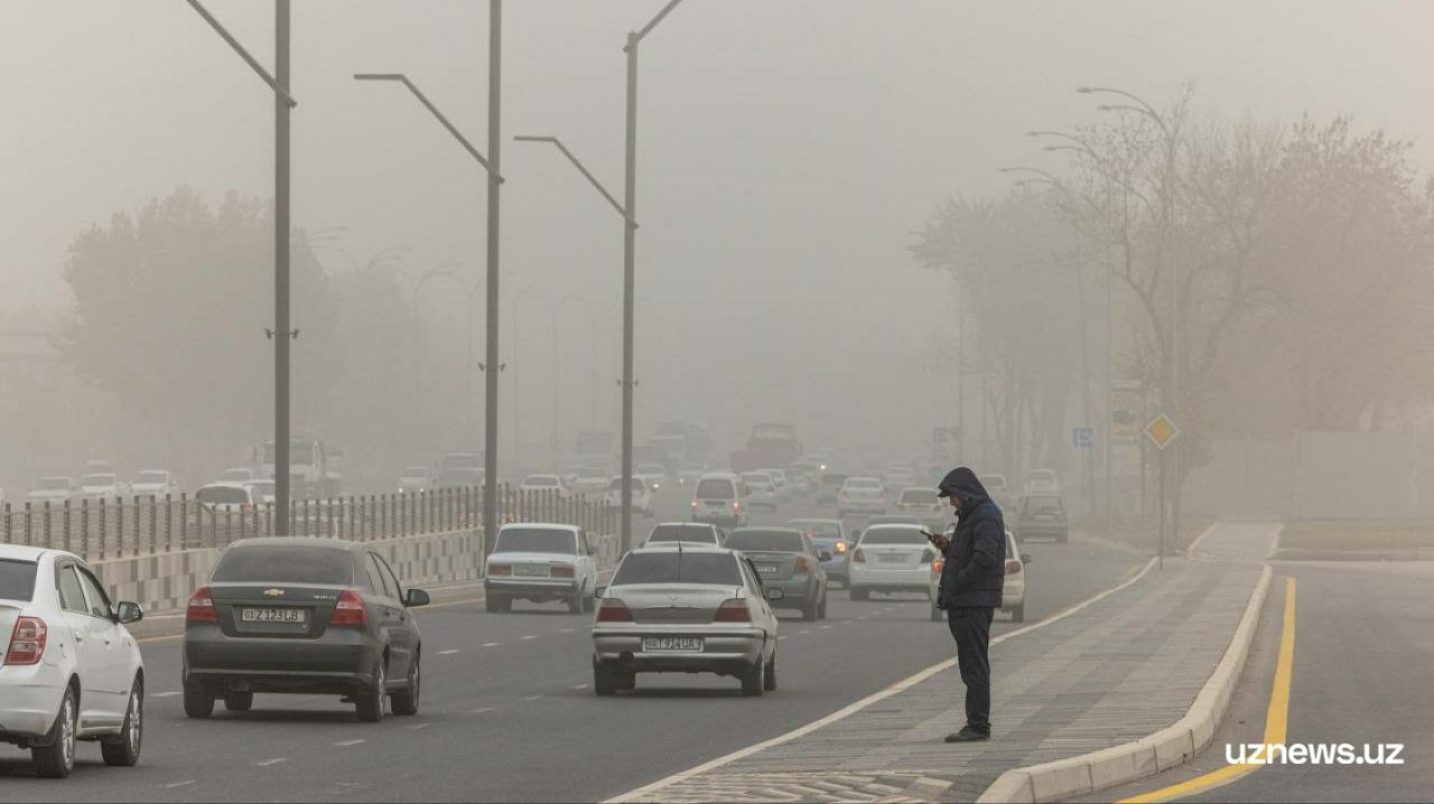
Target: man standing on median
{"points": [[970, 591]]}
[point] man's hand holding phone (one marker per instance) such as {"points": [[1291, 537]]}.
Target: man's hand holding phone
{"points": [[937, 541]]}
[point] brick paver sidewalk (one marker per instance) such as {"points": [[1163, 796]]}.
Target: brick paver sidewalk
{"points": [[1115, 671]]}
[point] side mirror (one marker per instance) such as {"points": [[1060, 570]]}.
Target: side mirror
{"points": [[415, 598], [824, 555], [127, 612], [1025, 558], [775, 594]]}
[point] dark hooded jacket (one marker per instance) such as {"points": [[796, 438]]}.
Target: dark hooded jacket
{"points": [[975, 569]]}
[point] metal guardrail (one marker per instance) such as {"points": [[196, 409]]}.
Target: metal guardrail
{"points": [[128, 527]]}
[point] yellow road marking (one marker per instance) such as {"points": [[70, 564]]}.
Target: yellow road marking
{"points": [[1276, 719]]}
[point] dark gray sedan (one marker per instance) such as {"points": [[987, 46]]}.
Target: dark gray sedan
{"points": [[309, 616], [785, 559]]}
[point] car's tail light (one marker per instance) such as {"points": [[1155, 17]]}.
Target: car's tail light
{"points": [[736, 506], [841, 547], [27, 641], [804, 564], [937, 566], [500, 569], [350, 610], [1012, 566], [562, 572], [201, 607], [694, 505], [858, 556], [612, 610], [733, 611]]}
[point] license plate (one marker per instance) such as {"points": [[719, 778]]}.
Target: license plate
{"points": [[284, 615], [893, 559], [531, 571], [766, 569], [671, 644]]}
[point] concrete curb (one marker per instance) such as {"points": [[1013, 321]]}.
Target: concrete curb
{"points": [[1160, 751]]}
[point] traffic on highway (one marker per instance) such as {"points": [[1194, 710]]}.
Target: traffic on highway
{"points": [[693, 401]]}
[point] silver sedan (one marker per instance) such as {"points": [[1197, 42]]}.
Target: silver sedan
{"points": [[679, 607]]}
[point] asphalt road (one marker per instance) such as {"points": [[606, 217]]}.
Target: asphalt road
{"points": [[1364, 641], [508, 713]]}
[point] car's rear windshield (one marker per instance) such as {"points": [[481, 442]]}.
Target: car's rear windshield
{"points": [[893, 535], [97, 480], [683, 533], [17, 579], [451, 478], [716, 488], [222, 495], [1041, 474], [286, 563], [918, 496], [784, 541], [1043, 505], [863, 483], [822, 530], [673, 567], [151, 477], [536, 540]]}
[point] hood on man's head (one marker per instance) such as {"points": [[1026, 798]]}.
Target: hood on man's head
{"points": [[962, 482]]}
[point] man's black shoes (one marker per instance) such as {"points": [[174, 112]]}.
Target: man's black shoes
{"points": [[968, 735]]}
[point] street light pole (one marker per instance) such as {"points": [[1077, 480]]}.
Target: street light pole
{"points": [[557, 307]]}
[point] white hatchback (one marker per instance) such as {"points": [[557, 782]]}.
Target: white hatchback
{"points": [[641, 495], [71, 670]]}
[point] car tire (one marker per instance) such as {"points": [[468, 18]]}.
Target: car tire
{"points": [[57, 759], [605, 681], [238, 701], [769, 679], [822, 607], [860, 594], [589, 604], [809, 610], [1018, 613], [575, 603], [368, 704], [754, 681], [198, 703], [405, 701], [123, 749]]}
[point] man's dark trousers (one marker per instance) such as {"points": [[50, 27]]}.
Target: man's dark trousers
{"points": [[971, 628]]}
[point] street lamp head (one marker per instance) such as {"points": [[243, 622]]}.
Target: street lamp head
{"points": [[531, 138]]}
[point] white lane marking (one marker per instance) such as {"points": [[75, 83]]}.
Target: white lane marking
{"points": [[825, 627], [530, 636], [480, 711], [271, 762], [491, 644], [566, 630], [782, 637], [581, 687], [803, 633], [532, 697], [173, 785], [165, 694], [419, 726], [852, 709], [448, 652], [347, 743]]}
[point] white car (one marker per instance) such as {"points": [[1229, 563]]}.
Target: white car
{"points": [[414, 478], [71, 671], [998, 488], [535, 484], [261, 491], [923, 503], [720, 499], [540, 562], [1013, 590], [1041, 481], [654, 473], [154, 483], [891, 558], [54, 490], [591, 480], [223, 498], [237, 474], [761, 488], [641, 495], [103, 486], [898, 477], [861, 495]]}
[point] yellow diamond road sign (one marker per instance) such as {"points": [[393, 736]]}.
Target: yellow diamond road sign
{"points": [[1161, 431]]}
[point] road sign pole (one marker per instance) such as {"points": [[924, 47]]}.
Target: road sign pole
{"points": [[1160, 554]]}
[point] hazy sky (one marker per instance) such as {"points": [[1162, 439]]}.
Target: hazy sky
{"points": [[787, 150]]}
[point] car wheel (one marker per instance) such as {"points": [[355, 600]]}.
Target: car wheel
{"points": [[369, 703], [605, 681], [405, 701], [860, 594], [769, 680], [56, 759], [754, 681], [238, 701], [198, 703], [822, 607], [123, 749], [1018, 613], [809, 610], [575, 603], [589, 604]]}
